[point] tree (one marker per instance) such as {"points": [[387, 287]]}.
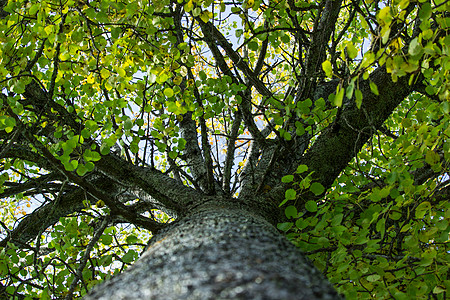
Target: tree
{"points": [[218, 129]]}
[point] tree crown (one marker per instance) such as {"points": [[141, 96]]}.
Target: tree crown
{"points": [[330, 118]]}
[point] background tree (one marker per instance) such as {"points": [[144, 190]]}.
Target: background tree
{"points": [[327, 119]]}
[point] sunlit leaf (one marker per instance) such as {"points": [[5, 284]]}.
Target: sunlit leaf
{"points": [[327, 68]]}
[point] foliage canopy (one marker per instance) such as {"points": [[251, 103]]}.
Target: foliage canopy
{"points": [[115, 115]]}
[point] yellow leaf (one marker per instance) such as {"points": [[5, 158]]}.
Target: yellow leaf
{"points": [[189, 6], [105, 73], [205, 16], [168, 92], [90, 79], [326, 66], [108, 86], [121, 72], [404, 4], [48, 29], [384, 16]]}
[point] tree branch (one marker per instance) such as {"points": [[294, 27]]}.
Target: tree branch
{"points": [[175, 196], [339, 143], [115, 206], [207, 178], [87, 252], [212, 34], [229, 159], [316, 53]]}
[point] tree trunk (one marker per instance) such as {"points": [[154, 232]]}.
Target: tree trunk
{"points": [[219, 253]]}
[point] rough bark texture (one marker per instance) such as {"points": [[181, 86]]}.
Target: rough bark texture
{"points": [[219, 253], [339, 143]]}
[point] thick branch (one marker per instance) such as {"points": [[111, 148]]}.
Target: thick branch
{"points": [[188, 128], [207, 179], [172, 194], [115, 206], [33, 186], [45, 216], [316, 53], [339, 143]]}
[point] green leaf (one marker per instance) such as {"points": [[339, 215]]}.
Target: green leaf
{"points": [[444, 23], [43, 296], [374, 88], [129, 257], [301, 169], [105, 73], [311, 206], [173, 154], [196, 11], [71, 166], [132, 239], [86, 133], [425, 11], [285, 226], [287, 136], [385, 15], [349, 90], [291, 212], [253, 46], [317, 188], [337, 219], [299, 129], [106, 239], [290, 194], [361, 239], [301, 223], [439, 290], [162, 77], [352, 51], [81, 170], [415, 47], [3, 268], [339, 97], [34, 9], [373, 278], [422, 209], [432, 158], [380, 227], [90, 166], [104, 149], [359, 97], [287, 178], [128, 124], [105, 260]]}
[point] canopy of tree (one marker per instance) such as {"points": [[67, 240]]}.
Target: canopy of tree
{"points": [[329, 119]]}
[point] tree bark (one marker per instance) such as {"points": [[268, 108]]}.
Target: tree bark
{"points": [[219, 252]]}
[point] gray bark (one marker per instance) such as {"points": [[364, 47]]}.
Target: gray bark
{"points": [[219, 253]]}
